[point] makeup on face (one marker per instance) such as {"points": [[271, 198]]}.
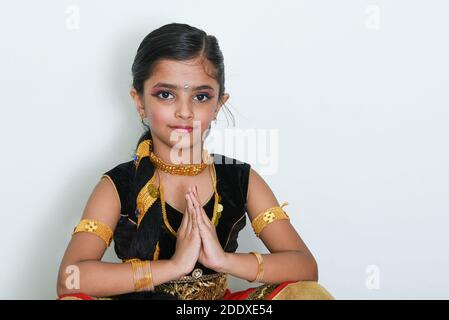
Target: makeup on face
{"points": [[206, 89]]}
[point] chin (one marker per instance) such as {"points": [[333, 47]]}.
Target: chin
{"points": [[183, 142]]}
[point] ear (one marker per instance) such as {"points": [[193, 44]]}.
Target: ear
{"points": [[138, 101], [221, 102]]}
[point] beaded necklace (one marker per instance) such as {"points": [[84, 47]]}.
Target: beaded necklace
{"points": [[180, 169]]}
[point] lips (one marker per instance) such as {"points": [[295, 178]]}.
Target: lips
{"points": [[182, 128]]}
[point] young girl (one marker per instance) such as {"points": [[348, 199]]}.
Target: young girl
{"points": [[175, 211]]}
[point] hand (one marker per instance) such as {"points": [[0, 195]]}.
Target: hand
{"points": [[188, 240], [211, 254]]}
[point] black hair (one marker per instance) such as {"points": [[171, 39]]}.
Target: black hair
{"points": [[174, 41]]}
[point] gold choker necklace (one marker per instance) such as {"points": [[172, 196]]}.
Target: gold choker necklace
{"points": [[180, 169]]}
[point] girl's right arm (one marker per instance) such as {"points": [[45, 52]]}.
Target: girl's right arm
{"points": [[81, 269]]}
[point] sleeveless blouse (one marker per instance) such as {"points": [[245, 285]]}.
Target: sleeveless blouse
{"points": [[232, 185]]}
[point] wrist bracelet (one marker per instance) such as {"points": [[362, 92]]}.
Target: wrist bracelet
{"points": [[260, 268], [142, 275]]}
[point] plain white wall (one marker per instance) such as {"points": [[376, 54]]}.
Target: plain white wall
{"points": [[357, 92]]}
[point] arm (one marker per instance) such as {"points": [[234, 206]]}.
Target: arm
{"points": [[289, 258], [85, 251]]}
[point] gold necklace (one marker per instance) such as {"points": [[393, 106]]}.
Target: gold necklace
{"points": [[180, 169], [218, 207]]}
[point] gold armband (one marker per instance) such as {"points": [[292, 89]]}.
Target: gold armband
{"points": [[95, 227], [268, 216]]}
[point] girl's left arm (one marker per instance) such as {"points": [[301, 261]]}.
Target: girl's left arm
{"points": [[289, 258]]}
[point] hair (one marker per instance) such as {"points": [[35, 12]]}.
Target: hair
{"points": [[174, 41]]}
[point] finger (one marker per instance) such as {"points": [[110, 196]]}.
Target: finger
{"points": [[202, 214], [202, 217], [203, 226], [196, 201], [195, 227], [192, 209], [185, 219], [189, 213], [205, 233], [194, 222], [203, 223], [195, 192]]}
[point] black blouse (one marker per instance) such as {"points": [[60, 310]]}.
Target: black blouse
{"points": [[232, 185]]}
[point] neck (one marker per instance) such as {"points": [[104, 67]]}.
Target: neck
{"points": [[178, 156]]}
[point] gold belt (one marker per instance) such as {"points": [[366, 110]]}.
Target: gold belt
{"points": [[207, 287]]}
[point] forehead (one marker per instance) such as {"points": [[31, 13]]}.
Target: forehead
{"points": [[194, 72]]}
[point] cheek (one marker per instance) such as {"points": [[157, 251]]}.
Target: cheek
{"points": [[160, 119], [205, 122]]}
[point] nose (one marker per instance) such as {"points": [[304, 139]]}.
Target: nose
{"points": [[184, 110]]}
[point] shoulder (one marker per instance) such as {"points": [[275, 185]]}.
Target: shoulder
{"points": [[234, 172], [121, 173], [255, 192], [260, 196], [108, 197], [120, 178], [229, 164], [123, 170]]}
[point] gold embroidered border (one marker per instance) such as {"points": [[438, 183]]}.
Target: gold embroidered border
{"points": [[147, 196], [207, 287], [262, 292]]}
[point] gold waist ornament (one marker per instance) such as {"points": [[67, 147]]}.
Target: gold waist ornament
{"points": [[206, 287]]}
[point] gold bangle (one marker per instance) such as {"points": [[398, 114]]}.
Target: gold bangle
{"points": [[142, 275], [150, 273], [268, 216], [96, 227], [260, 267]]}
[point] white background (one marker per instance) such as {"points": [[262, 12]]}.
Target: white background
{"points": [[356, 90]]}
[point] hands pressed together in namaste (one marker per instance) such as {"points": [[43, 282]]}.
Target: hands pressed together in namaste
{"points": [[197, 239]]}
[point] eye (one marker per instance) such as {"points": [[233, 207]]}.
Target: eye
{"points": [[164, 95], [203, 97]]}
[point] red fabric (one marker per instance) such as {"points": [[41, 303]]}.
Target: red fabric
{"points": [[243, 294], [81, 296], [238, 295]]}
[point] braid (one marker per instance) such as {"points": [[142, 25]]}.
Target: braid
{"points": [[143, 245], [132, 241]]}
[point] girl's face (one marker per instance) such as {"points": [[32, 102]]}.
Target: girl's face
{"points": [[180, 93]]}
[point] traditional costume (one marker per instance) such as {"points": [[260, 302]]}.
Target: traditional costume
{"points": [[141, 201]]}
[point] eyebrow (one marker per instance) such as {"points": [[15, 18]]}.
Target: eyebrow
{"points": [[173, 86]]}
